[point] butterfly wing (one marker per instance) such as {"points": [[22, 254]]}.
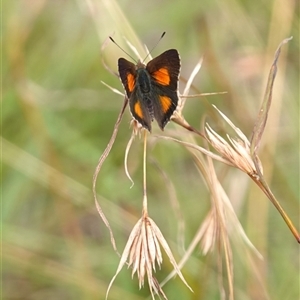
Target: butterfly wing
{"points": [[127, 74], [164, 71], [129, 78]]}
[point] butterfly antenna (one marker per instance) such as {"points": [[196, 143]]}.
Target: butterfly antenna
{"points": [[155, 45], [121, 48]]}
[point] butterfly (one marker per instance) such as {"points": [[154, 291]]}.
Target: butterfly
{"points": [[152, 89]]}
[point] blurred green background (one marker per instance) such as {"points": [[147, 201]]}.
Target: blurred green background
{"points": [[57, 119]]}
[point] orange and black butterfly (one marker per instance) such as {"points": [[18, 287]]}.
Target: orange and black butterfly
{"points": [[152, 89]]}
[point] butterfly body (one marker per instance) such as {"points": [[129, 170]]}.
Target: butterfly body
{"points": [[152, 88]]}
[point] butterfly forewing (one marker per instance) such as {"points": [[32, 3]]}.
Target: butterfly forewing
{"points": [[127, 73], [165, 69]]}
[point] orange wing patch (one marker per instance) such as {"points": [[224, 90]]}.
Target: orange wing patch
{"points": [[162, 76], [165, 102], [138, 110], [131, 82]]}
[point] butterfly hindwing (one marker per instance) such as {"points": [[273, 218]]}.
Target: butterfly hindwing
{"points": [[139, 109], [168, 103]]}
